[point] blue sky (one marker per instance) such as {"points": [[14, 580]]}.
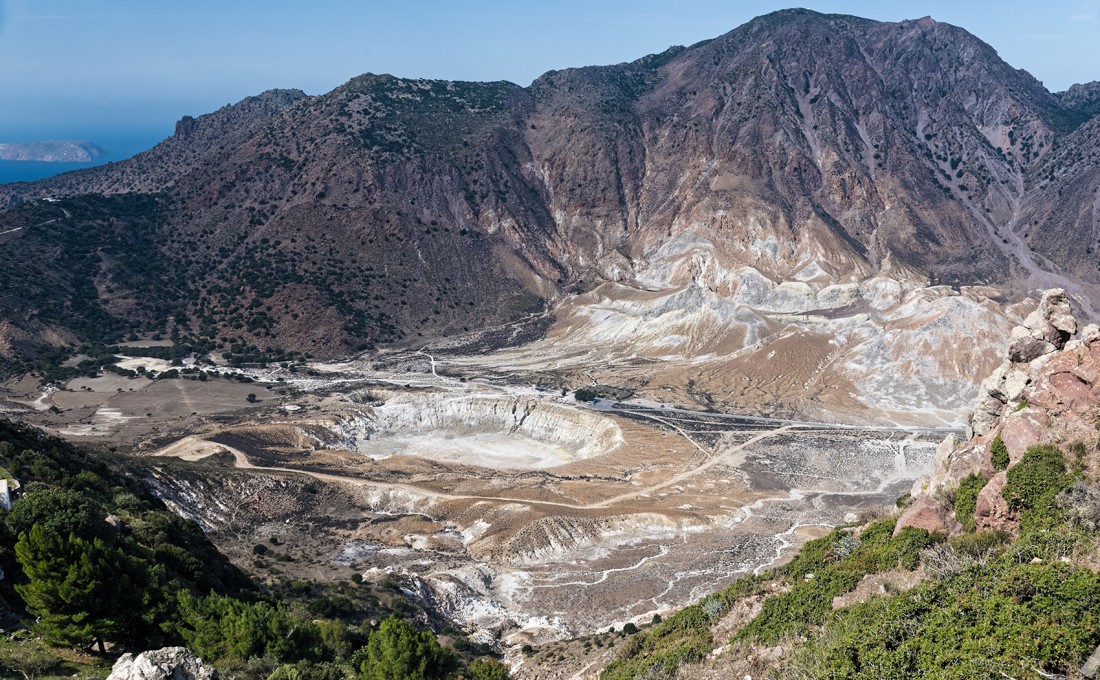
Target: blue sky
{"points": [[110, 67]]}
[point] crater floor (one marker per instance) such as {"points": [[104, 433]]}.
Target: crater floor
{"points": [[636, 509], [499, 500]]}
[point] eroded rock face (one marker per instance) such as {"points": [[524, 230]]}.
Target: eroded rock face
{"points": [[946, 460], [782, 166], [1045, 330], [1022, 431], [1047, 390], [169, 663], [929, 514], [991, 511]]}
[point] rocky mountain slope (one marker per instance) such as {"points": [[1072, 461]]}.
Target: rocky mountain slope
{"points": [[798, 164], [195, 140]]}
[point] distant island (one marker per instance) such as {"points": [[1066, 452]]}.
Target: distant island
{"points": [[61, 151]]}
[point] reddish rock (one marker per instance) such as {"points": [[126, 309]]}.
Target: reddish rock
{"points": [[1061, 391], [1062, 362], [929, 514], [963, 462], [1088, 370], [1073, 393], [1023, 430], [991, 510]]}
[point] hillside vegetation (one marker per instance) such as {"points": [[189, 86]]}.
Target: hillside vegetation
{"points": [[987, 605], [101, 566]]}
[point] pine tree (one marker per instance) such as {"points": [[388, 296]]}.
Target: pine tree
{"points": [[81, 591], [397, 651]]}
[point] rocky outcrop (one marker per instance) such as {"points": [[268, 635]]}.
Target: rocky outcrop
{"points": [[1045, 330], [169, 663], [1046, 390], [929, 514], [992, 511]]}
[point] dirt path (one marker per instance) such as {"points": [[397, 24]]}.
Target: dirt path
{"points": [[731, 456]]}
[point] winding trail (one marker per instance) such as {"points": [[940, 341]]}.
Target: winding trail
{"points": [[40, 224], [731, 456]]}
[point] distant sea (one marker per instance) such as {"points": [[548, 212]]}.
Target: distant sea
{"points": [[117, 147]]}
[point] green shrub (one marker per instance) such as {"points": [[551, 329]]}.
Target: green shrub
{"points": [[1082, 504], [488, 669], [304, 670], [966, 499], [979, 544], [1009, 619], [998, 453], [682, 638], [224, 628], [397, 650], [839, 569], [584, 394], [1034, 484], [807, 603]]}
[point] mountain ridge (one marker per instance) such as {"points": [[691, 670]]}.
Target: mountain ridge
{"points": [[793, 157]]}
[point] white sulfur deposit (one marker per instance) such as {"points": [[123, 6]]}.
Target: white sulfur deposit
{"points": [[497, 432]]}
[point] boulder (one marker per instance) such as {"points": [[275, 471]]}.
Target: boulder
{"points": [[1089, 368], [1028, 349], [991, 510], [929, 514], [1092, 666], [1022, 431], [993, 385], [987, 410], [1053, 320], [1073, 393], [1059, 313], [169, 663], [942, 461], [1015, 383]]}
